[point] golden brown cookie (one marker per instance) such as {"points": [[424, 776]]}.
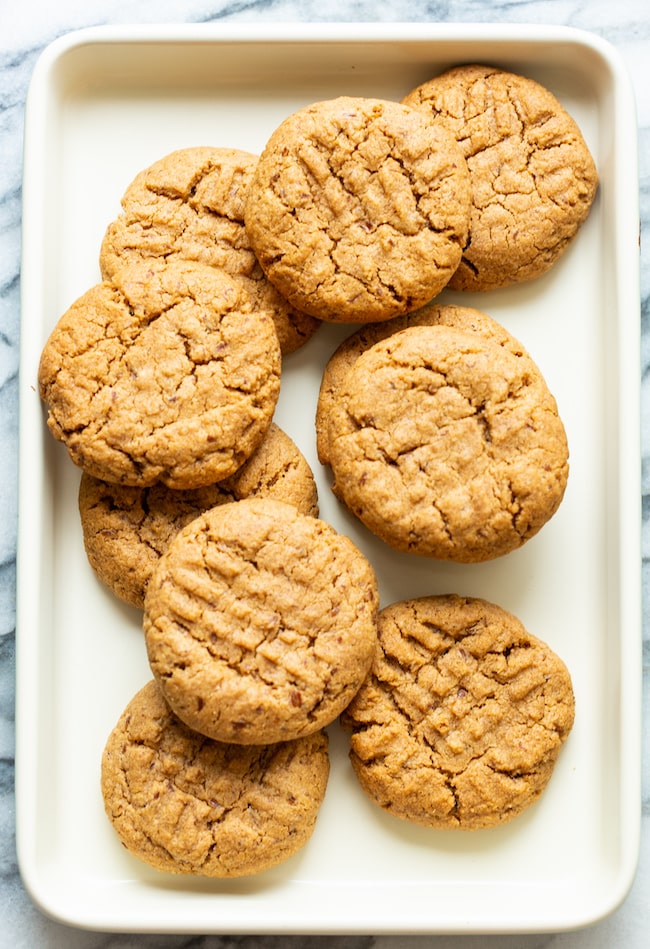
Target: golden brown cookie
{"points": [[183, 803], [260, 622], [350, 349], [447, 444], [461, 721], [163, 374], [189, 205], [533, 178], [358, 209], [126, 529]]}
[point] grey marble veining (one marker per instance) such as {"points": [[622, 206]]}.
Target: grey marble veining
{"points": [[27, 27]]}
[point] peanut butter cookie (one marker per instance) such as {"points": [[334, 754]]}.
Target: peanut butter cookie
{"points": [[358, 209], [447, 444], [532, 175], [183, 803], [126, 529], [350, 349], [461, 721], [189, 205], [163, 374], [260, 622]]}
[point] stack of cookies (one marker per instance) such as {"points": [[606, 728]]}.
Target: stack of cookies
{"points": [[261, 622], [162, 381], [260, 627]]}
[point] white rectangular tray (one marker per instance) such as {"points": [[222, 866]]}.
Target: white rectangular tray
{"points": [[102, 105]]}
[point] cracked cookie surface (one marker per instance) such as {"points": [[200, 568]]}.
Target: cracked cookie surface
{"points": [[447, 444], [183, 803], [163, 374], [461, 721], [358, 209], [189, 205], [432, 314], [126, 529], [260, 622], [533, 177]]}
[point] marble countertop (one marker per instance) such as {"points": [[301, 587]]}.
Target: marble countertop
{"points": [[27, 27]]}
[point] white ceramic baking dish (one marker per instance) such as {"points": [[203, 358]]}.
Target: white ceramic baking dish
{"points": [[103, 104]]}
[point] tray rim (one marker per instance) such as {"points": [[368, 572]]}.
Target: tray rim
{"points": [[629, 534]]}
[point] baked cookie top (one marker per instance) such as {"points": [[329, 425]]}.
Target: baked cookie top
{"points": [[126, 529], [189, 205], [533, 177], [447, 444], [183, 803], [260, 622], [432, 314], [460, 723], [358, 209], [164, 373]]}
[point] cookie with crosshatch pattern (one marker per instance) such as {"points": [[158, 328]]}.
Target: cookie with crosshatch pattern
{"points": [[185, 804], [461, 721]]}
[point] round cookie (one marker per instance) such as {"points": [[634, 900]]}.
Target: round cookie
{"points": [[447, 444], [260, 622], [163, 374], [126, 529], [533, 178], [358, 209], [350, 349], [185, 804], [461, 721], [189, 205]]}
